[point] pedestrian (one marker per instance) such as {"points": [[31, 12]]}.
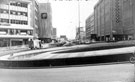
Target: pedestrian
{"points": [[40, 45], [31, 44]]}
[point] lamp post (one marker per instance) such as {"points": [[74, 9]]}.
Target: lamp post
{"points": [[79, 21], [78, 13]]}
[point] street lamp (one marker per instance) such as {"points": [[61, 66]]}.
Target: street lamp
{"points": [[79, 20], [78, 13]]}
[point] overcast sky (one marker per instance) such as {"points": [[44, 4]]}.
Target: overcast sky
{"points": [[65, 15]]}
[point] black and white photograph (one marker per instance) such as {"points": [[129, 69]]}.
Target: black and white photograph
{"points": [[67, 40]]}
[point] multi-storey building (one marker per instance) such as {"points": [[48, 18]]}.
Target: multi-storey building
{"points": [[63, 38], [115, 19], [108, 19], [35, 18], [45, 18], [80, 34], [17, 22], [54, 33], [90, 30], [128, 18]]}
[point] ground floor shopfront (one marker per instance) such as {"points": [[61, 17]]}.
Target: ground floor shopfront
{"points": [[6, 42], [118, 37], [115, 37], [14, 35]]}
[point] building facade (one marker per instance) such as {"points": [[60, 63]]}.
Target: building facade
{"points": [[128, 18], [63, 38], [54, 33], [89, 28], [108, 19], [45, 19], [115, 19], [17, 22], [35, 18], [80, 34]]}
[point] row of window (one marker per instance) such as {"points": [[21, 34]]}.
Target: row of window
{"points": [[15, 31], [117, 11], [4, 20], [19, 22], [13, 12], [20, 4], [14, 21], [4, 11], [18, 13]]}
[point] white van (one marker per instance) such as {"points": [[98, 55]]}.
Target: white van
{"points": [[36, 43]]}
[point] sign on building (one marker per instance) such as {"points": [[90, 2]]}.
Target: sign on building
{"points": [[44, 15]]}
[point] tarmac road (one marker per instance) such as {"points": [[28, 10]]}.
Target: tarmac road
{"points": [[101, 73], [110, 72]]}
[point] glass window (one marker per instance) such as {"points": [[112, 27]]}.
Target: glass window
{"points": [[19, 13], [13, 13], [24, 13], [18, 4], [3, 11], [4, 20], [17, 21], [24, 5], [13, 21]]}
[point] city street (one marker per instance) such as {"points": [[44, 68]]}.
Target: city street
{"points": [[67, 41], [71, 51]]}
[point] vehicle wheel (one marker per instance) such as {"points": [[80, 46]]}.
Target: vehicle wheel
{"points": [[132, 60]]}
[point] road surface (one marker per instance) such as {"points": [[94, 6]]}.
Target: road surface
{"points": [[101, 73]]}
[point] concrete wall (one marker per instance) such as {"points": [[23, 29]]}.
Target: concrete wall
{"points": [[45, 24], [108, 18]]}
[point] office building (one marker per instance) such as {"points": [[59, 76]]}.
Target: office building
{"points": [[63, 38], [108, 19], [18, 22], [54, 33], [89, 28], [80, 34], [128, 19], [115, 19], [45, 21]]}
